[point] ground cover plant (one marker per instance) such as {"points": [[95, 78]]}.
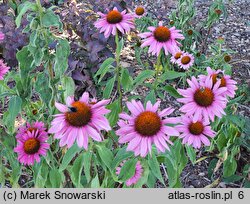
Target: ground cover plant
{"points": [[74, 113]]}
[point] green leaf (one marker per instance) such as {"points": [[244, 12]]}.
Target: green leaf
{"points": [[95, 182], [152, 180], [104, 68], [121, 155], [211, 167], [87, 164], [76, 171], [229, 167], [151, 97], [232, 179], [42, 87], [172, 91], [14, 108], [169, 75], [221, 141], [51, 19], [127, 170], [70, 154], [113, 116], [106, 155], [119, 47], [155, 167], [175, 161], [61, 58], [25, 60], [109, 87], [191, 153], [55, 178], [247, 184], [126, 80], [23, 8], [15, 171], [40, 174], [143, 76], [69, 86]]}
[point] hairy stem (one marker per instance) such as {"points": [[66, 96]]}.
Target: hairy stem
{"points": [[118, 70]]}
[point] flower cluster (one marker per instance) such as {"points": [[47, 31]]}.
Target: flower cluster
{"points": [[205, 99]]}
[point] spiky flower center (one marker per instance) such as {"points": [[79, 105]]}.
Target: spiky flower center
{"points": [[139, 11], [214, 78], [223, 81], [204, 97], [31, 146], [185, 59], [227, 58], [190, 32], [114, 17], [177, 55], [162, 34], [147, 123], [79, 114], [218, 11], [196, 128], [31, 129]]}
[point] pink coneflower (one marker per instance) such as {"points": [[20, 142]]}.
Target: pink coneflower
{"points": [[136, 177], [79, 120], [186, 61], [113, 21], [161, 37], [176, 56], [36, 126], [225, 81], [2, 36], [195, 132], [30, 146], [140, 11], [146, 126], [206, 100], [3, 69]]}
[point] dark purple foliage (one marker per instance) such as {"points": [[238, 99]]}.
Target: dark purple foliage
{"points": [[89, 48], [14, 38]]}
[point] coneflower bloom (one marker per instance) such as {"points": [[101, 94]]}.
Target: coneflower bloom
{"points": [[140, 11], [186, 61], [161, 37], [146, 126], [80, 120], [3, 69], [30, 146], [136, 177], [195, 132], [114, 20], [207, 100], [36, 126], [225, 81], [176, 56]]}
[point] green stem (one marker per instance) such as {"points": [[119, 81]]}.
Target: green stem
{"points": [[157, 70], [118, 70]]}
